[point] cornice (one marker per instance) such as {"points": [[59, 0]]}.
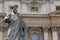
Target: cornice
{"points": [[36, 15], [28, 15]]}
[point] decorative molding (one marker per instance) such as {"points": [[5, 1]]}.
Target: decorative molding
{"points": [[2, 14], [55, 13], [54, 28], [35, 15], [45, 29], [33, 20]]}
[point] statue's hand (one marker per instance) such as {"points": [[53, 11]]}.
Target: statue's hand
{"points": [[7, 20]]}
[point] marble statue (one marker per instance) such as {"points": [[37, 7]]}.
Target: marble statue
{"points": [[16, 25]]}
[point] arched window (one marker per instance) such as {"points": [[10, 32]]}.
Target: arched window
{"points": [[35, 36]]}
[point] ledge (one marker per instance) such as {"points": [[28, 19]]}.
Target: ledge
{"points": [[34, 15], [2, 14], [28, 15]]}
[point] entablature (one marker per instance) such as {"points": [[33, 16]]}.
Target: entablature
{"points": [[38, 20]]}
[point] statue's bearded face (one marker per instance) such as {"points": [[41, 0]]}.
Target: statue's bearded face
{"points": [[14, 8]]}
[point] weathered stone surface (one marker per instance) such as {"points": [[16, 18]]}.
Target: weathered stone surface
{"points": [[35, 23]]}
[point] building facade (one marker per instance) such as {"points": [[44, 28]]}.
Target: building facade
{"points": [[42, 18]]}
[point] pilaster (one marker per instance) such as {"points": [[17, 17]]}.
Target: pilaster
{"points": [[54, 33], [45, 33]]}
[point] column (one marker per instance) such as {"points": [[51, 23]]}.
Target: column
{"points": [[50, 34], [1, 33], [54, 33], [45, 33], [42, 34], [26, 34]]}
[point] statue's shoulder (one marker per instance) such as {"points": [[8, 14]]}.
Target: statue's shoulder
{"points": [[19, 15]]}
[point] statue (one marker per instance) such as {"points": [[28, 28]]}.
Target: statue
{"points": [[16, 26]]}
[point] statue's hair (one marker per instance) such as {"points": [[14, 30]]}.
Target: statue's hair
{"points": [[11, 7], [15, 6]]}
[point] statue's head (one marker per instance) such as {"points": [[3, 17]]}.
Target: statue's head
{"points": [[14, 8]]}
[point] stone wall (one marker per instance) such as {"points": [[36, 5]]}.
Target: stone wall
{"points": [[24, 8]]}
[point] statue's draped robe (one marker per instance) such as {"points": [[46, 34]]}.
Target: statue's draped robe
{"points": [[16, 28]]}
